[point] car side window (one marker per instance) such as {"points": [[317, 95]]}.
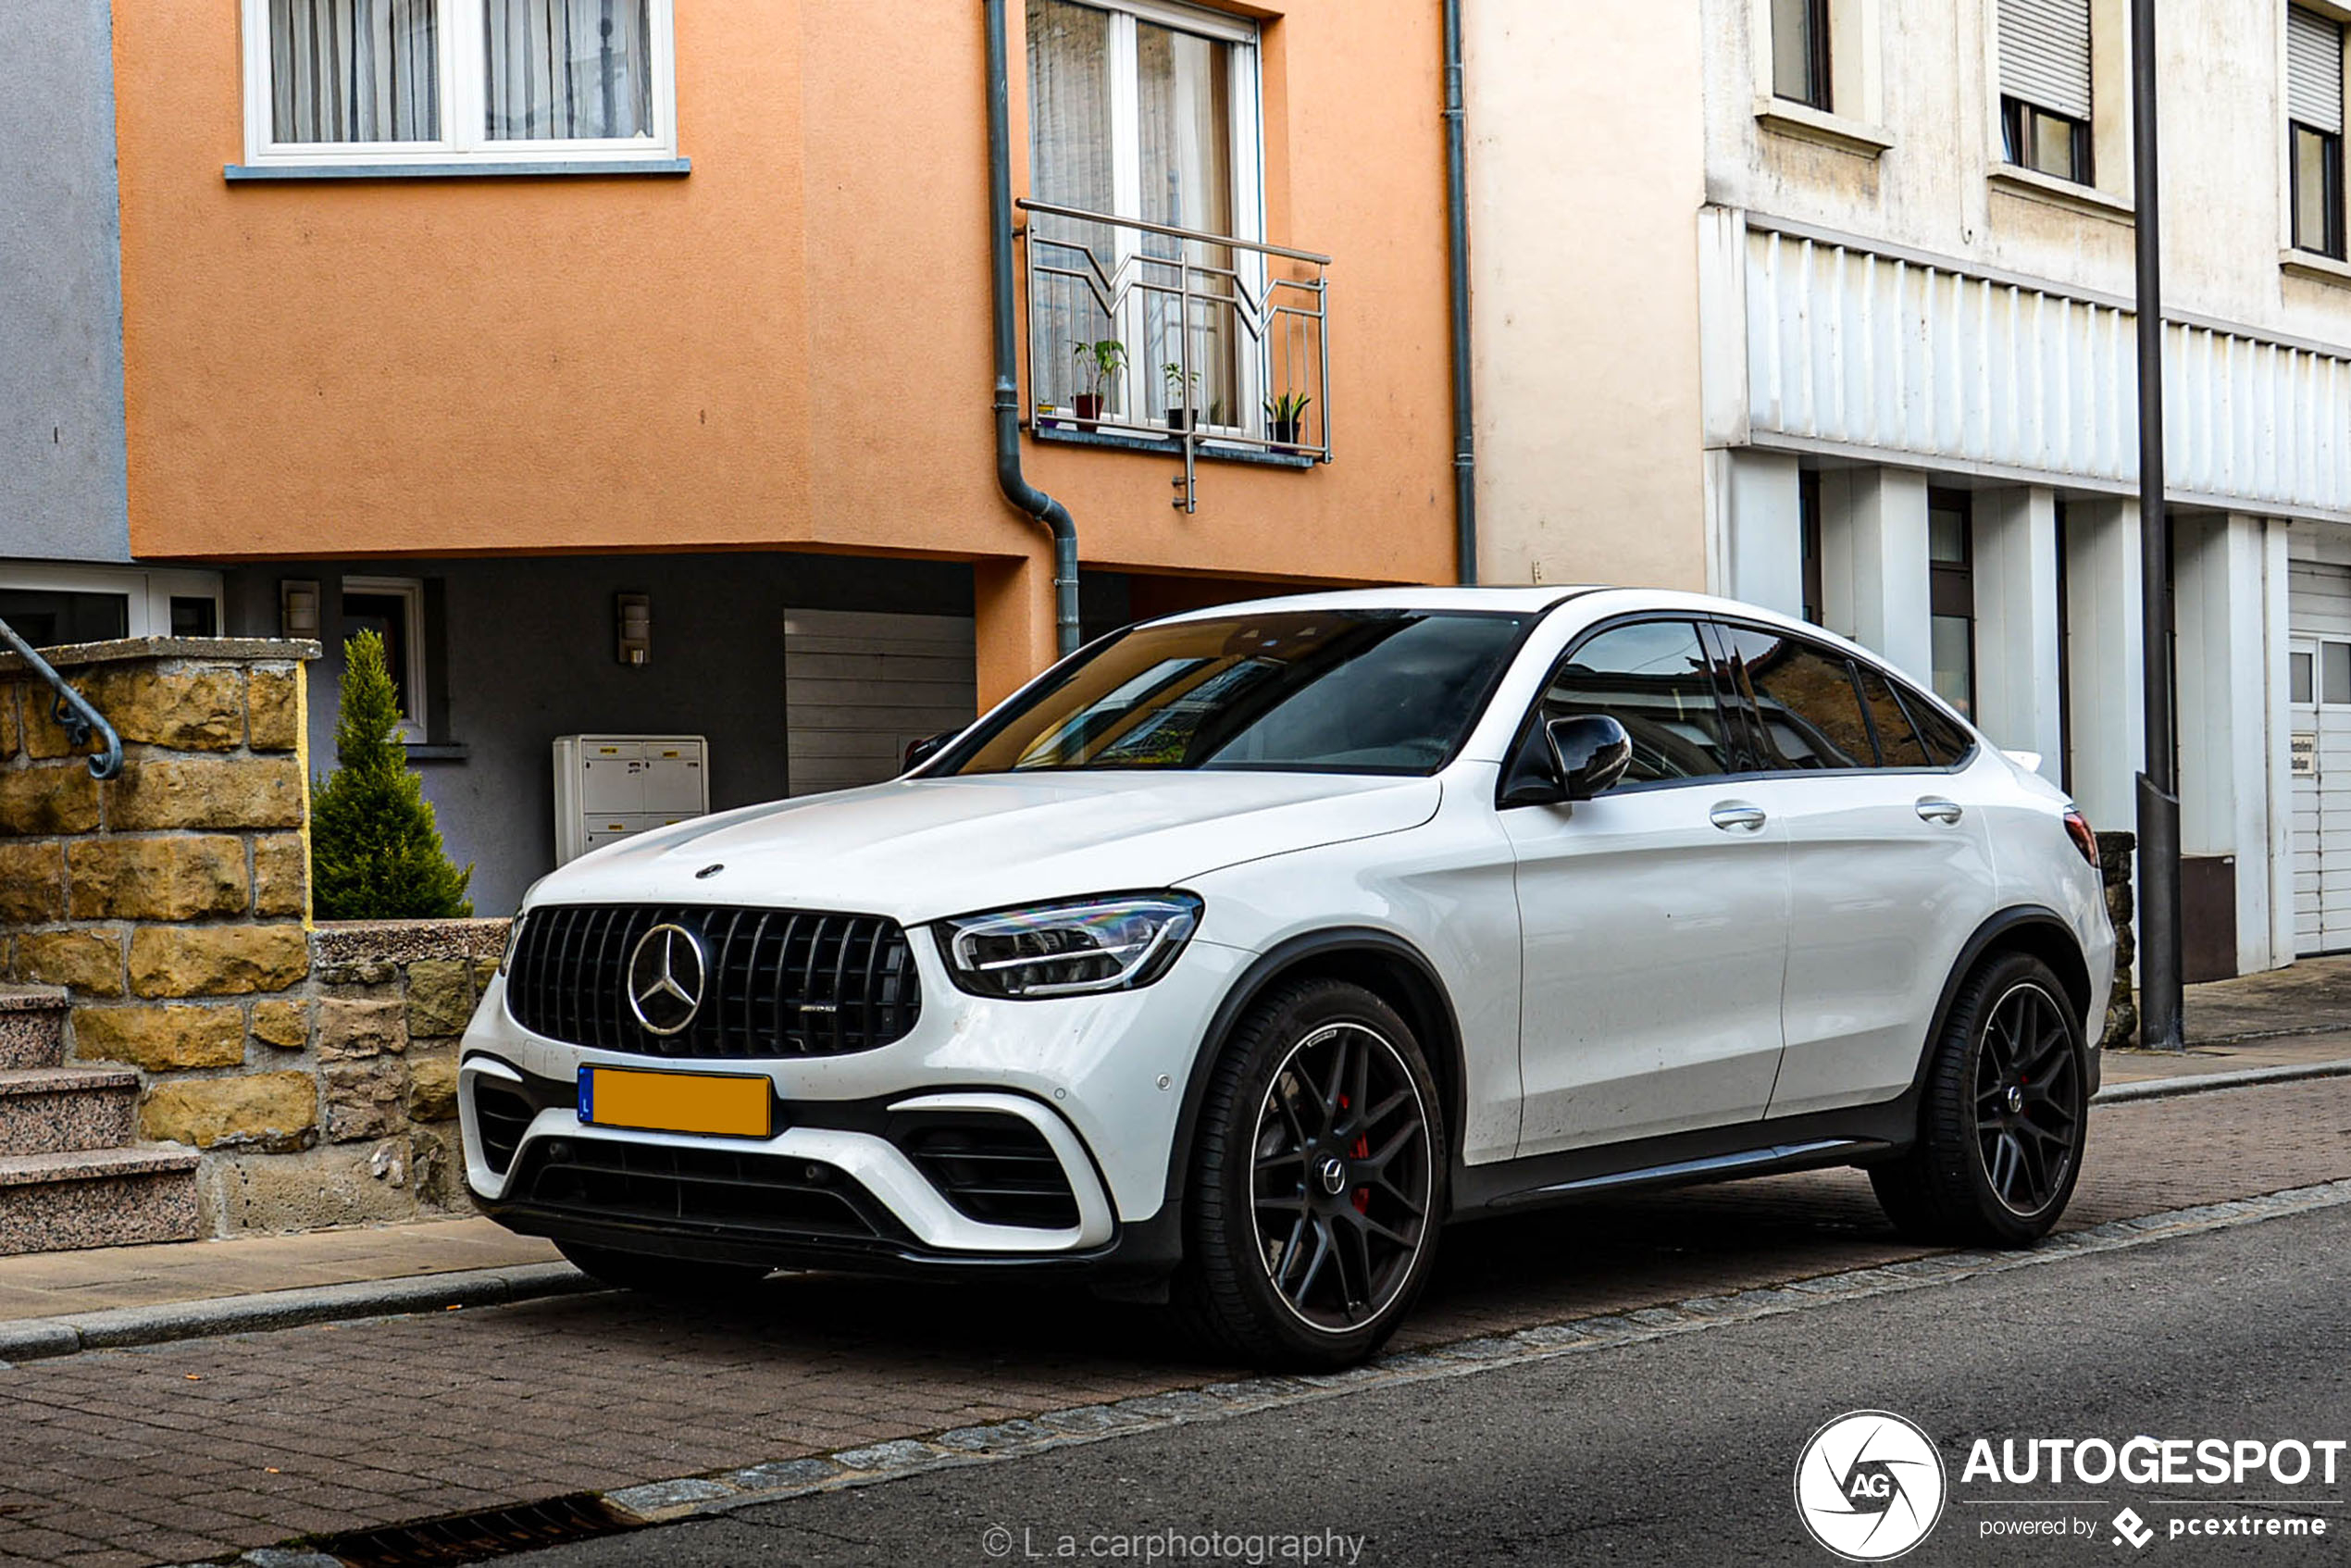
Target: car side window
{"points": [[1896, 739], [1948, 742], [1652, 678], [1801, 698]]}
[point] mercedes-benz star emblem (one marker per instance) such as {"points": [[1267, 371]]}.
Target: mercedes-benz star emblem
{"points": [[666, 977], [1333, 1175]]}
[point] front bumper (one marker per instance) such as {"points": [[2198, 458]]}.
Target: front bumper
{"points": [[1100, 1080]]}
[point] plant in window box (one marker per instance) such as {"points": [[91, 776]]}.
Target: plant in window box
{"points": [[1182, 413], [1100, 363], [1285, 416]]}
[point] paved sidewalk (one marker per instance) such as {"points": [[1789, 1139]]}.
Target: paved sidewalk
{"points": [[2311, 997]]}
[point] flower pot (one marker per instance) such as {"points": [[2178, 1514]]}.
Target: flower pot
{"points": [[1284, 432], [1090, 409]]}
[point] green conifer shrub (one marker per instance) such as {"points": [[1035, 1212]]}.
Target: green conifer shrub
{"points": [[375, 851]]}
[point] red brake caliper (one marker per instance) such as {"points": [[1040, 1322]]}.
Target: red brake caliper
{"points": [[1362, 1197]]}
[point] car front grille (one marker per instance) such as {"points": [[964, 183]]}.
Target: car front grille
{"points": [[717, 1190], [777, 982]]}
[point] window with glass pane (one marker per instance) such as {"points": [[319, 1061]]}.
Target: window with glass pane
{"points": [[1804, 695], [1653, 678], [2045, 142], [355, 71], [1951, 624], [2317, 192], [1133, 115], [2301, 679], [1800, 51], [568, 71], [2334, 672]]}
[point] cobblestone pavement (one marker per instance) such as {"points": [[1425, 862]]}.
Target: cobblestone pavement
{"points": [[184, 1452]]}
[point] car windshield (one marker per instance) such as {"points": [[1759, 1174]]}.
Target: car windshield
{"points": [[1335, 690]]}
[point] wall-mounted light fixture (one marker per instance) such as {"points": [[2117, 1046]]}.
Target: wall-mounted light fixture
{"points": [[297, 609], [636, 613]]}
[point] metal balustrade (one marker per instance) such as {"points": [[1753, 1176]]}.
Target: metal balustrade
{"points": [[1215, 337]]}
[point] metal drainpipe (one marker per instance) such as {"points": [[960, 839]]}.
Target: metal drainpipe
{"points": [[1016, 488], [1457, 216]]}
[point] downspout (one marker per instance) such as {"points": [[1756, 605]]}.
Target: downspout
{"points": [[1457, 229], [1009, 478]]}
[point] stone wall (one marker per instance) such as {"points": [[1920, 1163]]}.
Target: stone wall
{"points": [[315, 1069], [2115, 863]]}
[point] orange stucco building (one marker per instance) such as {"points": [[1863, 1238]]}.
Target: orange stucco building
{"points": [[461, 317]]}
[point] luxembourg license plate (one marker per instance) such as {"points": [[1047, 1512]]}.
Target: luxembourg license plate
{"points": [[722, 1105]]}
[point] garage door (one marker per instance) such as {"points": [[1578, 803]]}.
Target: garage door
{"points": [[2319, 662], [860, 684]]}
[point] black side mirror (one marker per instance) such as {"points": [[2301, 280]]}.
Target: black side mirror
{"points": [[1590, 754], [922, 751]]}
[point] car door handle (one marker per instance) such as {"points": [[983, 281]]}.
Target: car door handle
{"points": [[1736, 816], [1935, 808]]}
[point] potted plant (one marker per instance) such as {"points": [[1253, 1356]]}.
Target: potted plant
{"points": [[1180, 386], [1100, 362], [1286, 415]]}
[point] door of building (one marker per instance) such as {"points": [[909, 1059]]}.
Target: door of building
{"points": [[2319, 662]]}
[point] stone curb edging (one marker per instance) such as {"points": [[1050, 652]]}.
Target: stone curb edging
{"points": [[2245, 1077], [119, 1328], [703, 1496], [36, 1339]]}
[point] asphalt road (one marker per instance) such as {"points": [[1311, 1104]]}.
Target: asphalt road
{"points": [[1681, 1450]]}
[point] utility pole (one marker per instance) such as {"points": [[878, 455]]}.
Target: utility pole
{"points": [[2159, 783]]}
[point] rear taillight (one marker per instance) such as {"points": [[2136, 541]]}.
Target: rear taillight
{"points": [[2077, 828]]}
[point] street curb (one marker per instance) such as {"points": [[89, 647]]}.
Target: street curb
{"points": [[2199, 1083], [116, 1328]]}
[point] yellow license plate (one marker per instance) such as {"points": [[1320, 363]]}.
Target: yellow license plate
{"points": [[725, 1106]]}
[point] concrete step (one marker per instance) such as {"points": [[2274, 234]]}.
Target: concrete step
{"points": [[55, 1110], [32, 1026], [96, 1197]]}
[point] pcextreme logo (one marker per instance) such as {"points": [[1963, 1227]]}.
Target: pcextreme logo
{"points": [[1870, 1485]]}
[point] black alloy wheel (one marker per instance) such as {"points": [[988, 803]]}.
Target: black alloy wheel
{"points": [[1342, 1176], [2003, 1116], [2028, 1099], [1318, 1181]]}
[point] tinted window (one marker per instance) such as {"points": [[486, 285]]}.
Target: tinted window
{"points": [[1652, 678], [1945, 739], [1803, 693], [1345, 690], [1898, 741]]}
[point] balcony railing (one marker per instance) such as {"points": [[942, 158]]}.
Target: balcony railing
{"points": [[1205, 342]]}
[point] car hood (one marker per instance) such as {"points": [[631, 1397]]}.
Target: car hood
{"points": [[916, 848]]}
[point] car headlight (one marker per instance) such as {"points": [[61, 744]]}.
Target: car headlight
{"points": [[1099, 944]]}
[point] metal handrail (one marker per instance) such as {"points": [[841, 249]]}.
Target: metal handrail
{"points": [[1261, 307], [1201, 236], [73, 712]]}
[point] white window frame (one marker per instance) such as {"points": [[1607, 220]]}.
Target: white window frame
{"points": [[464, 107], [1247, 163], [147, 594], [412, 591]]}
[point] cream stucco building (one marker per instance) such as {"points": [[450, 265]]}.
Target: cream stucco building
{"points": [[1827, 304]]}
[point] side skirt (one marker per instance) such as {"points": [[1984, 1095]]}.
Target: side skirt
{"points": [[1855, 1137]]}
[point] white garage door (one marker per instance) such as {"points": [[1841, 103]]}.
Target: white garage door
{"points": [[2320, 665], [860, 684]]}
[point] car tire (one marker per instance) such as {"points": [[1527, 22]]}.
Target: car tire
{"points": [[679, 1278], [1320, 1135], [2004, 1116]]}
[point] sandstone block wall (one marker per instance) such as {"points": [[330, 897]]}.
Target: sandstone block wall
{"points": [[316, 1068]]}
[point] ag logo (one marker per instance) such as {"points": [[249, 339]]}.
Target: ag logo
{"points": [[1870, 1485]]}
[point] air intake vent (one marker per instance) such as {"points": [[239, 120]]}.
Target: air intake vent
{"points": [[994, 1168], [503, 1116], [717, 1190], [773, 982]]}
